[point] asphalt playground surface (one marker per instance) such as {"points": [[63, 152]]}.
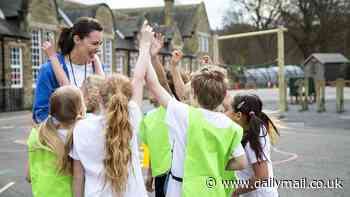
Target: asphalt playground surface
{"points": [[311, 159]]}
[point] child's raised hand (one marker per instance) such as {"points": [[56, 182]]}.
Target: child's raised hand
{"points": [[147, 35], [49, 49], [176, 57], [157, 44]]}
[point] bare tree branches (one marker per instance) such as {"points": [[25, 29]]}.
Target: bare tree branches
{"points": [[313, 25]]}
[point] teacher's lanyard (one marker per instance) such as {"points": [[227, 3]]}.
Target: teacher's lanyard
{"points": [[71, 66]]}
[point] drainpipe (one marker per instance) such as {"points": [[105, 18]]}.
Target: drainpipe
{"points": [[2, 88], [3, 61], [128, 64]]}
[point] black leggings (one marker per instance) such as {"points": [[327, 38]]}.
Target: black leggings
{"points": [[159, 182]]}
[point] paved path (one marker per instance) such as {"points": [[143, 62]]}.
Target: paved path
{"points": [[312, 146]]}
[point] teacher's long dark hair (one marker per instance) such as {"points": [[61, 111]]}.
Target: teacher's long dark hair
{"points": [[81, 28]]}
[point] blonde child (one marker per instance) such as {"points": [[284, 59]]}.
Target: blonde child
{"points": [[50, 168], [105, 148]]}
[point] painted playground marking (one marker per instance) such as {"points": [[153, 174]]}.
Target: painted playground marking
{"points": [[21, 142], [345, 117], [6, 172], [293, 156], [6, 187], [14, 118], [7, 127]]}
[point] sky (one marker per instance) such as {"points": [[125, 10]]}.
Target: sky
{"points": [[215, 8]]}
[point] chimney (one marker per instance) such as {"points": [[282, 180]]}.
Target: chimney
{"points": [[169, 12]]}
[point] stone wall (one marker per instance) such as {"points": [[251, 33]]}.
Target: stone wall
{"points": [[26, 69]]}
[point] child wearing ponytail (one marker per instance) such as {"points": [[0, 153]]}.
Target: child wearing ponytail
{"points": [[105, 147], [50, 167], [259, 133]]}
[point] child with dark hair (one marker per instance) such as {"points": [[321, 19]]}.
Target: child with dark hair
{"points": [[259, 131], [76, 61]]}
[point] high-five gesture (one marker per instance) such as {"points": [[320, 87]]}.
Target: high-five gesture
{"points": [[175, 72], [147, 36], [157, 44], [143, 61], [176, 57], [50, 51]]}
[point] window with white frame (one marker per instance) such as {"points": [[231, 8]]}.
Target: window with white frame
{"points": [[36, 53], [16, 67], [100, 53], [120, 57], [194, 65], [107, 52], [133, 60], [47, 36], [206, 44], [38, 57], [203, 42], [186, 64]]}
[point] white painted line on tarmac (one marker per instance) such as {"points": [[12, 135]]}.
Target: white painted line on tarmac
{"points": [[21, 142], [13, 151], [271, 112], [293, 156], [7, 127], [291, 125], [6, 187], [15, 118], [345, 117], [6, 172]]}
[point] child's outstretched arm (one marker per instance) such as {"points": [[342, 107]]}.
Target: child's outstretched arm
{"points": [[98, 66], [178, 82], [143, 61], [56, 65], [157, 44], [161, 95]]}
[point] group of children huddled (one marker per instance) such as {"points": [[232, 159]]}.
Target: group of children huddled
{"points": [[88, 145]]}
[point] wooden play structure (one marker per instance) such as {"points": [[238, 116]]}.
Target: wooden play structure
{"points": [[283, 107], [326, 69]]}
